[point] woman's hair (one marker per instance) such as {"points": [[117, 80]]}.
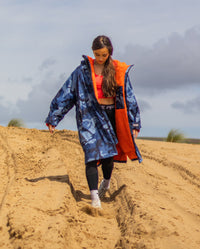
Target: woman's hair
{"points": [[109, 84]]}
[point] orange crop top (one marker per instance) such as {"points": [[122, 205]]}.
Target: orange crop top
{"points": [[99, 80]]}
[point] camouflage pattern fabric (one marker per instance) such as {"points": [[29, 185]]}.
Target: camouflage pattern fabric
{"points": [[95, 131]]}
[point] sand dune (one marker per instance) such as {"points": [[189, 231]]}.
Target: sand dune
{"points": [[45, 201]]}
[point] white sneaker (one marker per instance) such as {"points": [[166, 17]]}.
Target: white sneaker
{"points": [[96, 203], [102, 190]]}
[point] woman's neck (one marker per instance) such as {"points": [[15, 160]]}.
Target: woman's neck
{"points": [[98, 69]]}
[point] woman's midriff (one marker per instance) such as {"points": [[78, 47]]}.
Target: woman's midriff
{"points": [[106, 101]]}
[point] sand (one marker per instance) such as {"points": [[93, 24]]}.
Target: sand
{"points": [[45, 201]]}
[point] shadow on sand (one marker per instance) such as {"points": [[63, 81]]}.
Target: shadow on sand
{"points": [[77, 194]]}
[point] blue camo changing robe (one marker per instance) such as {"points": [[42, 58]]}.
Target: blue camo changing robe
{"points": [[96, 134]]}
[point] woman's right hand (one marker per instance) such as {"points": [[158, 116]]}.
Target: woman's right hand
{"points": [[51, 128]]}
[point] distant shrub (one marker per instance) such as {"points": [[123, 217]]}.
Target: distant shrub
{"points": [[175, 136], [15, 122]]}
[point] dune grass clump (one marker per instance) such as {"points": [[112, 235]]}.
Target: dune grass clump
{"points": [[175, 136], [15, 122]]}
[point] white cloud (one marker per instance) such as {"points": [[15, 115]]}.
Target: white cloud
{"points": [[6, 113], [13, 90]]}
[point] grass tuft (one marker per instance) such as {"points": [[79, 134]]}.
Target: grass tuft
{"points": [[15, 122], [175, 136]]}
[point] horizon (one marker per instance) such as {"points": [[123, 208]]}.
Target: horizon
{"points": [[155, 138]]}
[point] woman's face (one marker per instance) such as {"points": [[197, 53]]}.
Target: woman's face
{"points": [[101, 55]]}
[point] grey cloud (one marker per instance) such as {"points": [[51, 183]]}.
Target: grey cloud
{"points": [[190, 107], [36, 108], [27, 79], [47, 63], [144, 105], [169, 64]]}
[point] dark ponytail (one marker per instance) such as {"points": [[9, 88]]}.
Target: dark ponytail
{"points": [[109, 84]]}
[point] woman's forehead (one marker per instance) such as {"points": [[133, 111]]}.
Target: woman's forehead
{"points": [[101, 51]]}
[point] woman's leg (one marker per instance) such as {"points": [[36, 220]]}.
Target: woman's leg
{"points": [[107, 163], [92, 179], [107, 168], [92, 175]]}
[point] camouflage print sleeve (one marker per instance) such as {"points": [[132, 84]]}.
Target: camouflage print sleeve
{"points": [[132, 106], [64, 100]]}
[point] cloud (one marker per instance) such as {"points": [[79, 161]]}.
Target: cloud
{"points": [[47, 63], [190, 107], [36, 107], [6, 113], [171, 63], [144, 105], [27, 80]]}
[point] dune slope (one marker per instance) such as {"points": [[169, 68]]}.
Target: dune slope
{"points": [[45, 201]]}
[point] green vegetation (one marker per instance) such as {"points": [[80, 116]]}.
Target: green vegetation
{"points": [[175, 136], [15, 122]]}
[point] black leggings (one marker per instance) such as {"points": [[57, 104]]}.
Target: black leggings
{"points": [[107, 163], [92, 172], [110, 111]]}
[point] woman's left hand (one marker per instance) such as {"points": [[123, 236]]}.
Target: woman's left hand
{"points": [[51, 128], [135, 133]]}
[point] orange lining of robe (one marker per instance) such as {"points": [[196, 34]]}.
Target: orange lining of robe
{"points": [[93, 76], [125, 144]]}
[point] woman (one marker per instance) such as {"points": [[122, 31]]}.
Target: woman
{"points": [[107, 113]]}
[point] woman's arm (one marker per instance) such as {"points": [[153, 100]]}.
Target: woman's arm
{"points": [[132, 108], [63, 101]]}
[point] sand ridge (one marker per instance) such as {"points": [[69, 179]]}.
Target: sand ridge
{"points": [[45, 201]]}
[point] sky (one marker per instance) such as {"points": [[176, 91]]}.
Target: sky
{"points": [[42, 42]]}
